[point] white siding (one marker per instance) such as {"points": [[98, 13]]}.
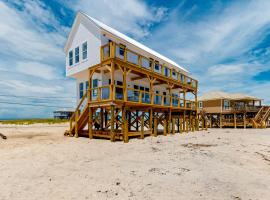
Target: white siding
{"points": [[93, 49]]}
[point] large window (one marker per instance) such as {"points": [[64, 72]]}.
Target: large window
{"points": [[70, 58], [86, 85], [95, 85], [81, 90], [77, 54], [84, 50]]}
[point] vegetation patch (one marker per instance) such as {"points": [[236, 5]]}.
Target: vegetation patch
{"points": [[33, 121]]}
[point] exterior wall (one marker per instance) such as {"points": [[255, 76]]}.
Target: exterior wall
{"points": [[91, 35], [212, 106]]}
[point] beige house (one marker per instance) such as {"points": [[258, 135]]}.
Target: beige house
{"points": [[233, 110]]}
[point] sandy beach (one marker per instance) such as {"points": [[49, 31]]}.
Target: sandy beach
{"points": [[38, 162]]}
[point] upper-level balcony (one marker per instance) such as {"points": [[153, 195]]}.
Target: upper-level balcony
{"points": [[120, 52]]}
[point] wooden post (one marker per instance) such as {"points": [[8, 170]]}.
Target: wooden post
{"points": [[137, 123], [125, 83], [142, 125], [90, 123], [124, 125], [101, 118], [245, 123], [165, 127], [178, 124], [112, 81], [151, 121], [181, 126], [184, 121], [169, 121], [220, 120], [192, 124], [112, 124], [173, 126], [234, 119], [155, 126]]}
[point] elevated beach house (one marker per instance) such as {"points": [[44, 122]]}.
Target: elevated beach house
{"points": [[125, 89], [234, 110]]}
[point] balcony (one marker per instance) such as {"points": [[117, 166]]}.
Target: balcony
{"points": [[138, 97], [116, 51]]}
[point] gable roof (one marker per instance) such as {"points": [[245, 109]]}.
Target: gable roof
{"points": [[127, 39], [214, 95]]}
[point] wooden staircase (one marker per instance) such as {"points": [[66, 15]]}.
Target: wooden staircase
{"points": [[79, 119], [261, 118]]}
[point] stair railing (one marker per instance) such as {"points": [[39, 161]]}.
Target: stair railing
{"points": [[77, 113]]}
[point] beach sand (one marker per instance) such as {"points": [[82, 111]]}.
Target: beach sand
{"points": [[38, 162]]}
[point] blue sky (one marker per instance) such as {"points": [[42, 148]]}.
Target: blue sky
{"points": [[224, 44]]}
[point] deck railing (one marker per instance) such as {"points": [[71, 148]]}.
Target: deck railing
{"points": [[113, 50], [105, 93]]}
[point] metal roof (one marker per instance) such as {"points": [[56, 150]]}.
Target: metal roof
{"points": [[133, 42], [224, 95]]}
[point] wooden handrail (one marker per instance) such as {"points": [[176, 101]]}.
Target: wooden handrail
{"points": [[138, 63]]}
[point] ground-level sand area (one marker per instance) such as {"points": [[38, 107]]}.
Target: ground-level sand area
{"points": [[38, 162]]}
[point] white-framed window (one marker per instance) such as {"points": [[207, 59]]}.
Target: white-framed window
{"points": [[77, 54], [70, 57], [94, 85], [81, 90], [84, 50], [200, 104]]}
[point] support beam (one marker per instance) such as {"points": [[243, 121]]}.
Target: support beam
{"points": [[173, 126], [124, 125], [169, 121], [220, 120], [155, 126], [151, 121], [234, 120], [90, 123], [112, 124], [245, 123], [76, 123], [142, 126]]}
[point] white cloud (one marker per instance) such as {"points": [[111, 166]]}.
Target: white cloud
{"points": [[37, 69], [133, 17], [215, 46]]}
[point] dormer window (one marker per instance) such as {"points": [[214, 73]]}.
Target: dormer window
{"points": [[84, 50], [70, 58], [77, 54]]}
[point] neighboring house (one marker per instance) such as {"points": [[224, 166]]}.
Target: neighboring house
{"points": [[63, 114], [124, 82], [233, 109]]}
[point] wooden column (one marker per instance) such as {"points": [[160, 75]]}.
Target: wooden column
{"points": [[234, 119], [245, 123], [125, 83], [101, 118], [137, 122], [90, 123], [112, 124], [220, 120], [184, 121], [180, 126], [112, 81], [142, 126], [155, 126], [151, 121], [173, 125], [169, 121], [165, 126], [124, 125]]}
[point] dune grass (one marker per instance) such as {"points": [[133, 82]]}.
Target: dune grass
{"points": [[33, 121]]}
